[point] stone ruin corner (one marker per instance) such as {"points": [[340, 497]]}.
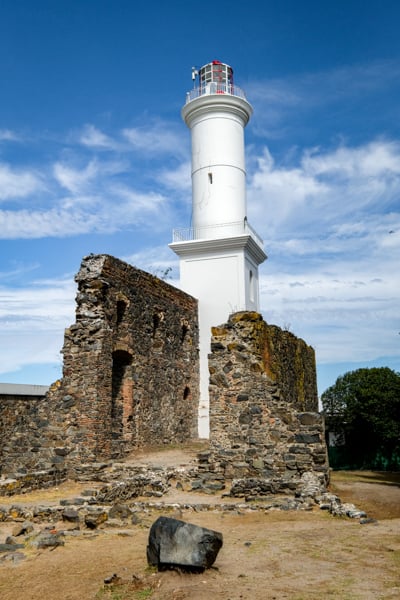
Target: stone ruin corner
{"points": [[266, 436]]}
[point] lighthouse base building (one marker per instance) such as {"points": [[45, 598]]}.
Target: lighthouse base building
{"points": [[223, 275]]}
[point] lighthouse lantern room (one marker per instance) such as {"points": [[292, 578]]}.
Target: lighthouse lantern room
{"points": [[220, 252], [216, 74]]}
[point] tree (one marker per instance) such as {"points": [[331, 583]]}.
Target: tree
{"points": [[363, 407]]}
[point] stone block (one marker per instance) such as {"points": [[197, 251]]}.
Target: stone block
{"points": [[310, 418], [177, 544], [305, 438]]}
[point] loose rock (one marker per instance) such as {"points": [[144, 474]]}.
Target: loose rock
{"points": [[176, 544]]}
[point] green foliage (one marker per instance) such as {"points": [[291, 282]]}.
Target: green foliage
{"points": [[363, 407]]}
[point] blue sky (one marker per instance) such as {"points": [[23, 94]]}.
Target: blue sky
{"points": [[94, 157]]}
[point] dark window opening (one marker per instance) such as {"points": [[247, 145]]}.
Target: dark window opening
{"points": [[121, 399], [251, 285], [121, 360], [185, 329], [156, 323], [186, 392], [121, 309]]}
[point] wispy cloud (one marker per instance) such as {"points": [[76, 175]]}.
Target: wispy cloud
{"points": [[75, 180], [331, 220], [156, 260], [177, 179], [324, 189], [96, 175], [344, 315], [79, 215], [18, 183], [375, 160], [92, 137], [158, 138], [17, 271], [95, 202], [32, 322], [6, 135], [285, 105]]}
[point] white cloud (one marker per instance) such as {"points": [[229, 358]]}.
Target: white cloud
{"points": [[325, 190], [6, 135], [276, 194], [374, 160], [18, 270], [57, 222], [96, 175], [283, 105], [16, 183], [32, 322], [156, 260], [332, 225], [75, 180], [178, 178], [116, 209], [345, 316], [94, 138], [156, 139], [135, 205]]}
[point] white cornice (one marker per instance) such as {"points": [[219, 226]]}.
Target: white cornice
{"points": [[203, 247], [215, 102]]}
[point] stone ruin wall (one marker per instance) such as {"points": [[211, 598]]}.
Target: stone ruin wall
{"points": [[265, 428], [130, 375], [18, 421]]}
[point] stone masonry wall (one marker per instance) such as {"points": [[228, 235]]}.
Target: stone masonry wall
{"points": [[17, 416], [130, 373], [265, 431]]}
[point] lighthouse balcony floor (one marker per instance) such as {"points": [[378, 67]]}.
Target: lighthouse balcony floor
{"points": [[216, 231], [215, 88]]}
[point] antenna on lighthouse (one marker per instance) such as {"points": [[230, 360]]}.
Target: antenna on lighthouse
{"points": [[195, 72]]}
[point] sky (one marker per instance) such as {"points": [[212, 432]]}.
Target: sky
{"points": [[94, 158]]}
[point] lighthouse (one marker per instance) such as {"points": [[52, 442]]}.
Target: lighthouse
{"points": [[219, 254]]}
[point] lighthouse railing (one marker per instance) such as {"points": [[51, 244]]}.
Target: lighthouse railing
{"points": [[215, 88], [210, 232]]}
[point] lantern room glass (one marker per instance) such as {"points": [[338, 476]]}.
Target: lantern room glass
{"points": [[217, 73]]}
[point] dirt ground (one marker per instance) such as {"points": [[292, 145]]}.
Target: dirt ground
{"points": [[265, 556]]}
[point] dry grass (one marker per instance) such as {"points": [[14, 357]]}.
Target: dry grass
{"points": [[266, 555]]}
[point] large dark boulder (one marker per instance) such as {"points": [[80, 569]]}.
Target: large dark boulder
{"points": [[176, 544]]}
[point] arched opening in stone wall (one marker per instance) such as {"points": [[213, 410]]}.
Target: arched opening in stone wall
{"points": [[122, 417]]}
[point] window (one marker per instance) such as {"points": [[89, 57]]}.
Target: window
{"points": [[121, 308], [251, 286]]}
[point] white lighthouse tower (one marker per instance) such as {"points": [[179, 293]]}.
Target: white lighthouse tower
{"points": [[220, 253]]}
